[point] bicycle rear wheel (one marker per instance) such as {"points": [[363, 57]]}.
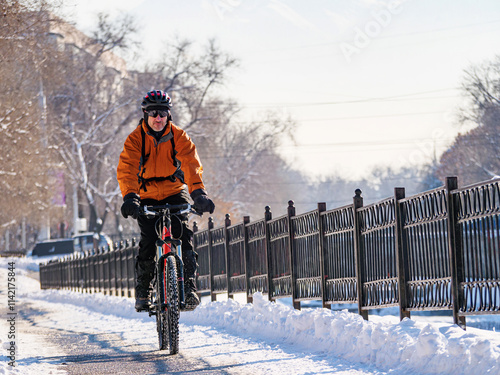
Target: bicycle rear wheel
{"points": [[168, 318]]}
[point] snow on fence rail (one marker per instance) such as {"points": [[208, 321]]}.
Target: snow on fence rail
{"points": [[442, 246]]}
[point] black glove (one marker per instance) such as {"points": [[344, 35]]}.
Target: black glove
{"points": [[202, 203], [131, 205]]}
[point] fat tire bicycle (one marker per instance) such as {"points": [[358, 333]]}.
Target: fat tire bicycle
{"points": [[167, 299]]}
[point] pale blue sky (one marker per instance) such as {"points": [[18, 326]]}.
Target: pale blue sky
{"points": [[369, 82]]}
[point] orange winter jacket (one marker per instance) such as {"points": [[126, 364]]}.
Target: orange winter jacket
{"points": [[159, 163]]}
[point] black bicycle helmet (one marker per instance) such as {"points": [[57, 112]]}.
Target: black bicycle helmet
{"points": [[156, 99]]}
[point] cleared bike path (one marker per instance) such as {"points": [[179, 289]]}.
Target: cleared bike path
{"points": [[81, 353]]}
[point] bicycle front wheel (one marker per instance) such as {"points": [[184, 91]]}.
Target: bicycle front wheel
{"points": [[172, 301], [167, 313]]}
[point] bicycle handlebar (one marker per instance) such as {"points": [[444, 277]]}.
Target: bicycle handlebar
{"points": [[180, 209]]}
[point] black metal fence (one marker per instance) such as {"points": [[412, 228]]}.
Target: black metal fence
{"points": [[438, 250], [105, 271]]}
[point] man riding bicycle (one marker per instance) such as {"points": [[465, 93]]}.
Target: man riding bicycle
{"points": [[158, 161]]}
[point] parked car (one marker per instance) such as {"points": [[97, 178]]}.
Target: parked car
{"points": [[59, 246], [84, 242]]}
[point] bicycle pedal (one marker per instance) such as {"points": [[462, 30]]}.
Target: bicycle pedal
{"points": [[189, 307]]}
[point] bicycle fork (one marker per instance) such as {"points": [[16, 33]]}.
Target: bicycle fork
{"points": [[160, 271]]}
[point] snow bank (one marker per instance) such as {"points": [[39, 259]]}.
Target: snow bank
{"points": [[407, 346]]}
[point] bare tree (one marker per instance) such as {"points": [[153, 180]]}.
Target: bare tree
{"points": [[85, 103], [27, 167], [475, 155], [88, 108]]}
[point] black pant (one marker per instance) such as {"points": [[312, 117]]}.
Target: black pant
{"points": [[145, 261]]}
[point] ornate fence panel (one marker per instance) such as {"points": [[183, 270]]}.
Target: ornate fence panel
{"points": [[202, 245], [257, 257], [236, 258], [279, 257], [121, 270], [378, 254], [218, 260], [340, 262], [478, 219], [306, 255], [129, 254], [51, 275], [425, 221]]}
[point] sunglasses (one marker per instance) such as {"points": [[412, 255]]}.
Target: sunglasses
{"points": [[156, 112]]}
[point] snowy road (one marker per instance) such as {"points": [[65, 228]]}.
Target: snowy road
{"points": [[62, 332]]}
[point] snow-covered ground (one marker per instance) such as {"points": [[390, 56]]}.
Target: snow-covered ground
{"points": [[258, 338]]}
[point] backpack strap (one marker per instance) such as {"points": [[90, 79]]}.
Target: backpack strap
{"points": [[177, 163]]}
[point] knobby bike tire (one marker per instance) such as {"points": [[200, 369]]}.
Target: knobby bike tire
{"points": [[172, 297], [167, 319], [161, 317], [162, 328]]}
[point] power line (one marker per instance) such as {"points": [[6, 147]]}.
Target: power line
{"points": [[377, 116], [357, 101], [347, 117], [361, 101], [379, 37]]}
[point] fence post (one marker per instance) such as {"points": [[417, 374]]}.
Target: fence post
{"points": [[88, 275], [455, 250], [99, 271], [321, 234], [213, 296], [66, 276], [291, 245], [71, 272], [93, 272], [83, 271], [227, 223], [246, 220], [358, 253], [65, 280], [268, 217], [401, 255], [62, 274], [108, 289], [131, 256], [195, 249], [119, 270], [66, 272]]}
